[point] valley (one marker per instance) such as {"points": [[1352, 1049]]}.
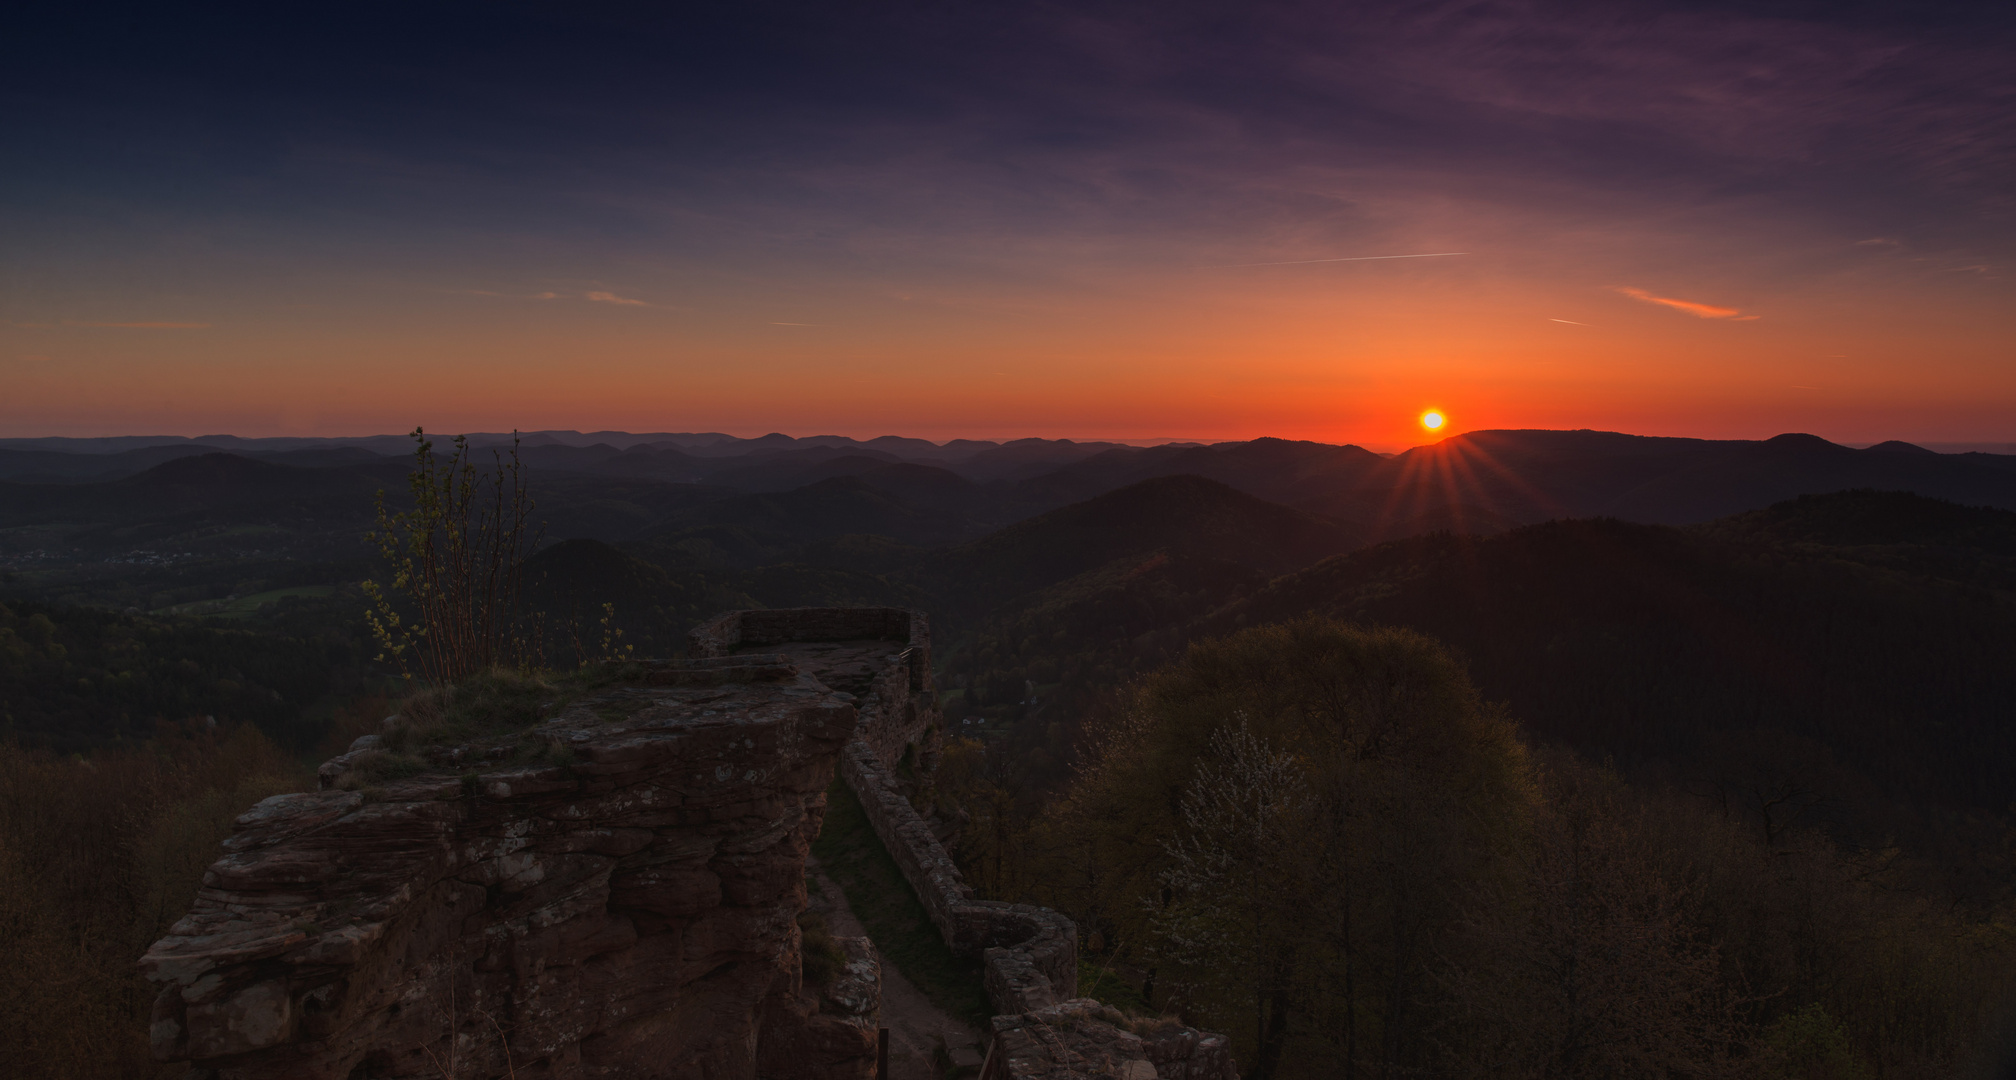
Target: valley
{"points": [[1803, 643]]}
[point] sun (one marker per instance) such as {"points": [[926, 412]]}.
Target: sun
{"points": [[1433, 420]]}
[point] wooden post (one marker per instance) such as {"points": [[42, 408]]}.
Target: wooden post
{"points": [[882, 1054]]}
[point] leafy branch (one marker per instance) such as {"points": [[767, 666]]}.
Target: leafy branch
{"points": [[457, 557]]}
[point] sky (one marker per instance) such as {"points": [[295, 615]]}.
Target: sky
{"points": [[1121, 220]]}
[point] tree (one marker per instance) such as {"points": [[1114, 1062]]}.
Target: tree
{"points": [[1592, 964], [1318, 797], [1236, 920], [456, 556]]}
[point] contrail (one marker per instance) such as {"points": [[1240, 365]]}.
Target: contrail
{"points": [[1354, 258]]}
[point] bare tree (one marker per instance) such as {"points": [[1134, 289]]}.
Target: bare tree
{"points": [[456, 557], [1594, 965], [1236, 906]]}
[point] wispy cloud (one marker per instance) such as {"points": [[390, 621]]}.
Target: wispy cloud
{"points": [[1570, 322], [797, 324], [612, 298], [144, 325], [1691, 307], [1877, 241], [508, 296]]}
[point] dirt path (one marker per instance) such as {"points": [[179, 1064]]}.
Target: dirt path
{"points": [[915, 1025]]}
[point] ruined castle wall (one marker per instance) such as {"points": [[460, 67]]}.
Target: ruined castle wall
{"points": [[1042, 1029], [612, 894], [1029, 954], [774, 626], [930, 871], [622, 906], [899, 711]]}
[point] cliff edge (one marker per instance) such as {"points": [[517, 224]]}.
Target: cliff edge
{"points": [[613, 892]]}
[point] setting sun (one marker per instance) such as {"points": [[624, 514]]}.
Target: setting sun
{"points": [[1433, 420]]}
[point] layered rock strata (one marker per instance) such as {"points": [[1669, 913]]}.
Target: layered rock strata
{"points": [[611, 894]]}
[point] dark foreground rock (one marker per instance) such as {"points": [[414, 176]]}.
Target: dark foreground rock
{"points": [[623, 904], [615, 893], [1082, 1038]]}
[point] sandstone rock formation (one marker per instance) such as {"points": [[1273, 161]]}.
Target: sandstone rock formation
{"points": [[614, 892], [622, 906]]}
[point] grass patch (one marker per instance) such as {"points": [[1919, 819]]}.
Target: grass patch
{"points": [[495, 715], [488, 704], [1095, 980], [853, 856], [821, 959], [245, 607]]}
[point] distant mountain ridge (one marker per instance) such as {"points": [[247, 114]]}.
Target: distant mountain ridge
{"points": [[1481, 480], [1187, 515], [721, 500]]}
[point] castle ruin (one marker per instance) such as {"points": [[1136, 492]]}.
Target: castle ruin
{"points": [[614, 892]]}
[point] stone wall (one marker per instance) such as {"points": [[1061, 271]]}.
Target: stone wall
{"points": [[1044, 1031], [898, 701], [733, 630], [612, 894], [1029, 954]]}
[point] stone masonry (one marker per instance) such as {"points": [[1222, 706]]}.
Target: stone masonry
{"points": [[1083, 1038], [1029, 954], [879, 656]]}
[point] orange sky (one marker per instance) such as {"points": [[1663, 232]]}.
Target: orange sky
{"points": [[1681, 224], [1336, 353]]}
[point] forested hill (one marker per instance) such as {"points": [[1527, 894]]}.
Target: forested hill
{"points": [[76, 679], [1644, 640], [1842, 651], [616, 488], [1182, 516], [1969, 545]]}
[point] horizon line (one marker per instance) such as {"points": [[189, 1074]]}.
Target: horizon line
{"points": [[1943, 446]]}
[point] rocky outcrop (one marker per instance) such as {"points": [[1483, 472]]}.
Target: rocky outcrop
{"points": [[614, 891], [1082, 1038], [610, 894]]}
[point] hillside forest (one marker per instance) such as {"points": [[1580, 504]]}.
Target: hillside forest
{"points": [[1617, 758]]}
